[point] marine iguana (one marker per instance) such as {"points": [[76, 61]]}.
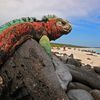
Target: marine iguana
{"points": [[16, 32]]}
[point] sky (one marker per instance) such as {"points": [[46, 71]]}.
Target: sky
{"points": [[84, 16]]}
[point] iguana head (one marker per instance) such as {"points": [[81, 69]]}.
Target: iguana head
{"points": [[58, 26]]}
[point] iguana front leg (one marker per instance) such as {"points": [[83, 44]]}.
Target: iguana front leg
{"points": [[45, 43], [60, 71]]}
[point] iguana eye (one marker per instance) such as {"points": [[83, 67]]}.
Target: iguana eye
{"points": [[59, 23]]}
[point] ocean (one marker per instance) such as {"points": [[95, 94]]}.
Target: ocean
{"points": [[97, 50]]}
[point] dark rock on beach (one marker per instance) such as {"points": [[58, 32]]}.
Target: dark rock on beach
{"points": [[77, 85], [79, 94], [97, 69], [72, 61], [96, 94], [30, 75]]}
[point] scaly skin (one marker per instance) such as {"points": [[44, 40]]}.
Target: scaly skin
{"points": [[16, 21], [16, 34]]}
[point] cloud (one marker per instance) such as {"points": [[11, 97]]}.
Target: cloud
{"points": [[11, 9]]}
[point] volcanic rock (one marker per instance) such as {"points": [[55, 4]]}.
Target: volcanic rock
{"points": [[79, 94], [30, 75], [96, 94]]}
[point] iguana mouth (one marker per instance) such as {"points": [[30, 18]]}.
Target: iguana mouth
{"points": [[67, 28]]}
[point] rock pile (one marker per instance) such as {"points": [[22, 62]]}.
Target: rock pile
{"points": [[30, 74], [85, 84]]}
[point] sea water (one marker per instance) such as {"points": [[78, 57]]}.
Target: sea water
{"points": [[98, 51]]}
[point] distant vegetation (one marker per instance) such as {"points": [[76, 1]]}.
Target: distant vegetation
{"points": [[67, 45]]}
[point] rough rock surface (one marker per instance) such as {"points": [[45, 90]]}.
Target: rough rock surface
{"points": [[29, 75], [79, 94], [73, 61], [97, 70], [62, 72], [96, 94], [86, 77], [76, 85]]}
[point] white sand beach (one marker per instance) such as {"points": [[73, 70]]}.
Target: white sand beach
{"points": [[90, 58]]}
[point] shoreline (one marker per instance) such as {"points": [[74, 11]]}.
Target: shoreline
{"points": [[86, 55]]}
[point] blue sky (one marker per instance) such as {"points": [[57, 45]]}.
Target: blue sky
{"points": [[84, 33], [84, 16]]}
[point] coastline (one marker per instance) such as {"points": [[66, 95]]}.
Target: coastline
{"points": [[86, 55]]}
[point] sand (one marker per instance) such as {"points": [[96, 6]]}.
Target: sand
{"points": [[90, 58]]}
